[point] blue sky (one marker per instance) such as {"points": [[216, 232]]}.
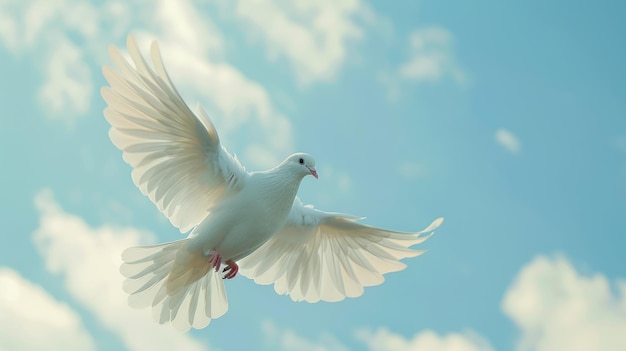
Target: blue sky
{"points": [[507, 118]]}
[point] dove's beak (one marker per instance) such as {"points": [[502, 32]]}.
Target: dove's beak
{"points": [[313, 171]]}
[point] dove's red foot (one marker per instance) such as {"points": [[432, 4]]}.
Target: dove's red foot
{"points": [[231, 270], [215, 260]]}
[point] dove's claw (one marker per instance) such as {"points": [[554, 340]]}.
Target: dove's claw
{"points": [[231, 269], [215, 260]]}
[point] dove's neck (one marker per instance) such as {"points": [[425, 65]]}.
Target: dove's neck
{"points": [[280, 188], [283, 183]]}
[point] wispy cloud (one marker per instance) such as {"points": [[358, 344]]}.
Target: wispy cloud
{"points": [[430, 60], [71, 36], [554, 306], [508, 141], [184, 23], [40, 27], [67, 84], [26, 23], [288, 340], [384, 340], [87, 260], [431, 57], [32, 319], [557, 308], [313, 37]]}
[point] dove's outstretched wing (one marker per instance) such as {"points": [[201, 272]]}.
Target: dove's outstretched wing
{"points": [[329, 256], [177, 158]]}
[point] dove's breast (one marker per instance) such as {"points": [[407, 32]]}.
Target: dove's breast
{"points": [[246, 221]]}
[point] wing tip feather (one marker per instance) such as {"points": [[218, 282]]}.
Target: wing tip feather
{"points": [[432, 227]]}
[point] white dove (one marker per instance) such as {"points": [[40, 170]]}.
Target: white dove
{"points": [[251, 221]]}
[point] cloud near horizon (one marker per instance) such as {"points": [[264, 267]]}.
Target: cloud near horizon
{"points": [[557, 308], [554, 307], [51, 324], [87, 261]]}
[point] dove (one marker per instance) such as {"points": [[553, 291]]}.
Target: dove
{"points": [[237, 221]]}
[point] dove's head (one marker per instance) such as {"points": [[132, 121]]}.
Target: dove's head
{"points": [[301, 163]]}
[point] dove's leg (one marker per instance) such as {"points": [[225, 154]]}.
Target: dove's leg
{"points": [[215, 260], [231, 270]]}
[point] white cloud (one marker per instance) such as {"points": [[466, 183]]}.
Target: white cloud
{"points": [[508, 140], [287, 340], [430, 60], [556, 308], [68, 37], [8, 26], [31, 319], [431, 57], [28, 25], [380, 340], [116, 17], [40, 28], [384, 340], [183, 23], [67, 85], [88, 260], [313, 36]]}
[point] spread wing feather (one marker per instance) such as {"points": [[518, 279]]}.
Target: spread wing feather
{"points": [[329, 256], [177, 159]]}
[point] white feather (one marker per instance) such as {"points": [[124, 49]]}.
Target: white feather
{"points": [[177, 158], [329, 256]]}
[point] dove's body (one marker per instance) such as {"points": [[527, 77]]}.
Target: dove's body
{"points": [[253, 218], [242, 223]]}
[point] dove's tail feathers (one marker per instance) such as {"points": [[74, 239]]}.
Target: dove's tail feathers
{"points": [[179, 285]]}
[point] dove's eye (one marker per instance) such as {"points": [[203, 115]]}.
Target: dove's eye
{"points": [[301, 160]]}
